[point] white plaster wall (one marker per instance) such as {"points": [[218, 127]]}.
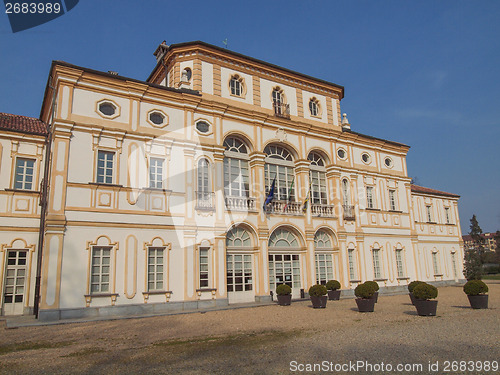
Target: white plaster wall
{"points": [[85, 104], [207, 83], [266, 89], [81, 158], [306, 97]]}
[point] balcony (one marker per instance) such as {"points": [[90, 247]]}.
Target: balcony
{"points": [[240, 203], [205, 200], [323, 210], [281, 110], [281, 207], [348, 212]]}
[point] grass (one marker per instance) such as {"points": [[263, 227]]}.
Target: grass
{"points": [[27, 345], [492, 277]]}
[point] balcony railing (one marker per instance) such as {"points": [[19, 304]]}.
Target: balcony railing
{"points": [[240, 203], [323, 210], [205, 200], [282, 110], [348, 212], [282, 207]]}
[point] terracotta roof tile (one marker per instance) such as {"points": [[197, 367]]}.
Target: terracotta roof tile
{"points": [[421, 189], [22, 124]]}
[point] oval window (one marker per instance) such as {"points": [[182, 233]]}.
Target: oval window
{"points": [[388, 162], [365, 158], [107, 109], [202, 126], [341, 153], [156, 118]]}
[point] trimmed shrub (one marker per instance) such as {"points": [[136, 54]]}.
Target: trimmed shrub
{"points": [[364, 290], [317, 290], [374, 284], [425, 291], [413, 284], [283, 290], [475, 287], [333, 285]]}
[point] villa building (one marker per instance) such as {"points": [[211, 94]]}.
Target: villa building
{"points": [[211, 182]]}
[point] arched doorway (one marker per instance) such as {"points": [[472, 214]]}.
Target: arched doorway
{"points": [[239, 266]]}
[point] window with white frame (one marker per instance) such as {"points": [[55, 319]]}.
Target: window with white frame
{"points": [[236, 171], [238, 263], [352, 264], [369, 197], [236, 85], [314, 107], [100, 269], [346, 198], [156, 173], [399, 263], [105, 161], [377, 274], [324, 258], [279, 165], [203, 176], [392, 200], [317, 175], [24, 174], [156, 256], [435, 263], [429, 213], [279, 102], [447, 215], [204, 267]]}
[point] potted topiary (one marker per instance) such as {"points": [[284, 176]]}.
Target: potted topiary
{"points": [[375, 287], [333, 287], [365, 300], [318, 296], [412, 286], [476, 292], [424, 293], [284, 293]]}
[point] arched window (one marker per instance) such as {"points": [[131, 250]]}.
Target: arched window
{"points": [[346, 197], [238, 238], [204, 193], [314, 107], [238, 262], [279, 165], [236, 85], [323, 247], [280, 107], [284, 263], [317, 176], [236, 175]]}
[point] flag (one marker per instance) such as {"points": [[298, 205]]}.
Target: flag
{"points": [[308, 197], [288, 200], [270, 195]]}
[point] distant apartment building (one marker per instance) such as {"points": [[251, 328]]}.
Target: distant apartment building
{"points": [[489, 241]]}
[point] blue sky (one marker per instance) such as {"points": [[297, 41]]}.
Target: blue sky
{"points": [[425, 73]]}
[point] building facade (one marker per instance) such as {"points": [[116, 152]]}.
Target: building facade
{"points": [[213, 181]]}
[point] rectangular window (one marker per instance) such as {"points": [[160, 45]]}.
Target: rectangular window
{"points": [[24, 174], [155, 268], [399, 263], [239, 272], [352, 269], [435, 263], [100, 269], [447, 215], [392, 200], [15, 276], [105, 161], [369, 197], [204, 267], [324, 268], [284, 269], [429, 214], [156, 173], [376, 264]]}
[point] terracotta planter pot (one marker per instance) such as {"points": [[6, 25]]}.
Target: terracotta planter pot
{"points": [[478, 302], [412, 297], [365, 304], [426, 307], [334, 295], [319, 302], [375, 297], [284, 300]]}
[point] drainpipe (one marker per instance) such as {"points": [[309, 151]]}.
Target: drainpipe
{"points": [[43, 203]]}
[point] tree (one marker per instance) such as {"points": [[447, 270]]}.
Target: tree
{"points": [[473, 267], [497, 251]]}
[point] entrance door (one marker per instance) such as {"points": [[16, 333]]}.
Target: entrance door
{"points": [[15, 277], [285, 269], [239, 278]]}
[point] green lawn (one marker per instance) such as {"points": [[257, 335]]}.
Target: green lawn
{"points": [[492, 277]]}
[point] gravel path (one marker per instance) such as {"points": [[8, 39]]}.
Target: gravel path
{"points": [[268, 340]]}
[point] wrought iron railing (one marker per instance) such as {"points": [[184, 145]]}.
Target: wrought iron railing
{"points": [[282, 110]]}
